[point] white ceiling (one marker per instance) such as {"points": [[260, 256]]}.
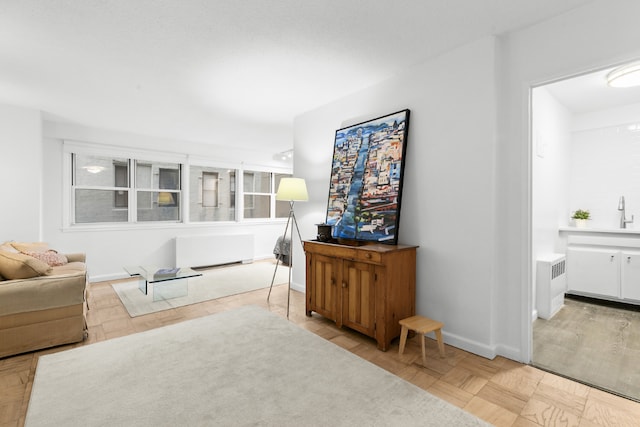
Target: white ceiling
{"points": [[188, 68], [590, 92]]}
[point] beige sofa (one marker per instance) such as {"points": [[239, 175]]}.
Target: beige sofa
{"points": [[40, 305]]}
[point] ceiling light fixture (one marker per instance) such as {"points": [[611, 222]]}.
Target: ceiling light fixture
{"points": [[625, 76]]}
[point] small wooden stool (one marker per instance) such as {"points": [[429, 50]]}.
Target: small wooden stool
{"points": [[421, 325]]}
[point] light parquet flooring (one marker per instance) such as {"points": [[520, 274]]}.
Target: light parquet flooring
{"points": [[500, 391]]}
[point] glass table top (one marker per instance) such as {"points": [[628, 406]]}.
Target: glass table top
{"points": [[155, 274]]}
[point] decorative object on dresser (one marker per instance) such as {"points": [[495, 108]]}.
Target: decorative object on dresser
{"points": [[367, 288], [366, 179], [324, 232], [291, 190]]}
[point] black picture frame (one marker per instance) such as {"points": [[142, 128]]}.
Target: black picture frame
{"points": [[367, 173]]}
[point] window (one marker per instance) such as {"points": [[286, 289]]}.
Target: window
{"points": [[102, 190], [209, 191], [259, 195], [282, 207], [110, 186], [157, 191], [121, 199], [212, 193]]}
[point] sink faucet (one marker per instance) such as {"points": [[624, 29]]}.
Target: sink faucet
{"points": [[623, 220]]}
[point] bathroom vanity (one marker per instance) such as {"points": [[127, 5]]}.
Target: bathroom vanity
{"points": [[603, 263]]}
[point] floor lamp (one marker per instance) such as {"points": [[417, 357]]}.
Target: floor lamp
{"points": [[291, 190]]}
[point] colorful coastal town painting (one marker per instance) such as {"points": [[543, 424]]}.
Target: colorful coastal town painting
{"points": [[366, 179]]}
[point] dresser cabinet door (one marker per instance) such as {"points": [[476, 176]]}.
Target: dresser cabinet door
{"points": [[322, 286], [358, 296]]}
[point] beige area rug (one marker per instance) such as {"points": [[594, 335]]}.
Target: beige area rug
{"points": [[245, 367], [214, 283]]}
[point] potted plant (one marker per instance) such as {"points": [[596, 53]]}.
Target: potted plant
{"points": [[580, 217]]}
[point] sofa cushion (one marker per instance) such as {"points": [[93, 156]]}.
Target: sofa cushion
{"points": [[69, 268], [21, 266], [25, 247], [51, 257], [8, 247]]}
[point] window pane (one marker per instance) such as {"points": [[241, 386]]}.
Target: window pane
{"points": [[97, 171], [277, 177], [157, 176], [99, 206], [257, 182], [158, 206], [256, 206], [144, 175], [209, 191], [211, 194], [282, 209], [169, 178]]}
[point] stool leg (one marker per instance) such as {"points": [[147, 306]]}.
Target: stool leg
{"points": [[403, 339], [424, 351], [440, 342]]}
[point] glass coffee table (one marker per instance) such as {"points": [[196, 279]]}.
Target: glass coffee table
{"points": [[162, 283]]}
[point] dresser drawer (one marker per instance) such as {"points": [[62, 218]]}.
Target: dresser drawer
{"points": [[368, 256]]}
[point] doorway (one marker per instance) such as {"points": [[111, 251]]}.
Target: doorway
{"points": [[585, 155]]}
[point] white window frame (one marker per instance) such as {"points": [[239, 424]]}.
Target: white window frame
{"points": [[185, 160]]}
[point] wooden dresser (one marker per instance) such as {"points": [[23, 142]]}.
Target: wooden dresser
{"points": [[367, 288]]}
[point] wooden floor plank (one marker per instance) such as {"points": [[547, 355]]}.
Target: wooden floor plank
{"points": [[501, 391]]}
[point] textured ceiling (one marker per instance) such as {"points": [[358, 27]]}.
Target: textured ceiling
{"points": [[188, 69]]}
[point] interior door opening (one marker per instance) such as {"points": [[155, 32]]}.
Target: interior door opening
{"points": [[585, 147]]}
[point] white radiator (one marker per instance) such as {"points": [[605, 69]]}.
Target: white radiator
{"points": [[551, 284], [214, 249]]}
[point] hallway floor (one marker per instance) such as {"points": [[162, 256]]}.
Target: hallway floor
{"points": [[595, 344]]}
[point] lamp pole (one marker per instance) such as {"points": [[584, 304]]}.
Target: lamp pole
{"points": [[292, 190]]}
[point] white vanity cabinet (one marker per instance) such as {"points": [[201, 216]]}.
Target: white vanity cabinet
{"points": [[594, 271], [630, 275], [604, 264]]}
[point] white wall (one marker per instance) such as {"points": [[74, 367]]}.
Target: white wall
{"points": [[595, 36], [605, 164], [448, 197], [469, 152], [39, 186], [551, 141], [20, 173]]}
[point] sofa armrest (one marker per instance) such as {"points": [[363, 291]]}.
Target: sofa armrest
{"points": [[76, 257], [42, 292]]}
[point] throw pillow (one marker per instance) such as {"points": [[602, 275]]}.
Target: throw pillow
{"points": [[51, 257], [21, 266], [30, 247]]}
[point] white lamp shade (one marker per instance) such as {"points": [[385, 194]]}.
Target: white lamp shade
{"points": [[625, 76], [292, 189]]}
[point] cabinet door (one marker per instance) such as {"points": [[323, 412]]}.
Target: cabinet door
{"points": [[630, 270], [358, 296], [594, 271], [322, 288]]}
